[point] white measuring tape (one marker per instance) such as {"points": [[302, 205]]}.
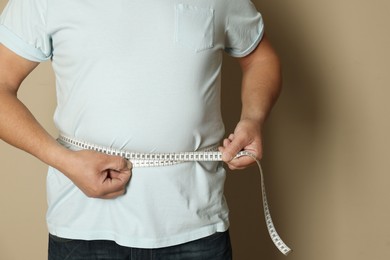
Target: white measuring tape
{"points": [[166, 159]]}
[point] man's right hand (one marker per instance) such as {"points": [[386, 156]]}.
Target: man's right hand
{"points": [[96, 174]]}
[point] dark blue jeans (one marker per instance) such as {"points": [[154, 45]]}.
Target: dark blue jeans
{"points": [[214, 247]]}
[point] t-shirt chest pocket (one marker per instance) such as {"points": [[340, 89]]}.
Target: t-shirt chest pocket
{"points": [[194, 27]]}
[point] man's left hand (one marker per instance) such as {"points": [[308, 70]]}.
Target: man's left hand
{"points": [[246, 136]]}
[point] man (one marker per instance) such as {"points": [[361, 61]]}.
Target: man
{"points": [[141, 76]]}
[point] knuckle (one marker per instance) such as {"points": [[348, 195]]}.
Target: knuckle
{"points": [[120, 162]]}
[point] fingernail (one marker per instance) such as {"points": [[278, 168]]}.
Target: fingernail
{"points": [[129, 164]]}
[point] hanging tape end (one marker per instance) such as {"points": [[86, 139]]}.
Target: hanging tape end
{"points": [[287, 252]]}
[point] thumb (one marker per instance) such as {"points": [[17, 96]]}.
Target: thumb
{"points": [[118, 163]]}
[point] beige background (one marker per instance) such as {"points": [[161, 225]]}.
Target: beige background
{"points": [[326, 143]]}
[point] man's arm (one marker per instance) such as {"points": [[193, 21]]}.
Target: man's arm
{"points": [[261, 86], [97, 175]]}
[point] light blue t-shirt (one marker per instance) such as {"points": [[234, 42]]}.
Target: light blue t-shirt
{"points": [[145, 76]]}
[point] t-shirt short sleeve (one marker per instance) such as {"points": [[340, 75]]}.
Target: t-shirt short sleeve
{"points": [[23, 29], [244, 28]]}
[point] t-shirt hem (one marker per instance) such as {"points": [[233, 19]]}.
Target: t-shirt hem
{"points": [[20, 47], [147, 243]]}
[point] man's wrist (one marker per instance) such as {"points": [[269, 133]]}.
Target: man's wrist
{"points": [[256, 119], [58, 156]]}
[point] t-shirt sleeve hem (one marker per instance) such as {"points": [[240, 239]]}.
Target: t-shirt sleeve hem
{"points": [[20, 47], [252, 47]]}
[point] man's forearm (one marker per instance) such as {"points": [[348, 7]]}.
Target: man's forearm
{"points": [[19, 128], [261, 84]]}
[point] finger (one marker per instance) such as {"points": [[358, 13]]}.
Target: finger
{"points": [[232, 148], [129, 165], [116, 184], [240, 163], [117, 163], [226, 142], [123, 174]]}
